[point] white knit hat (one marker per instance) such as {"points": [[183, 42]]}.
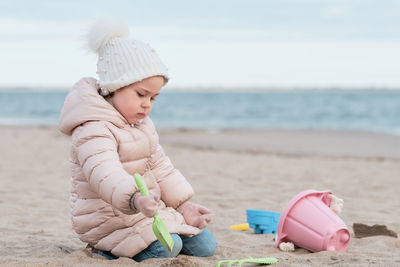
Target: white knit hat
{"points": [[121, 59]]}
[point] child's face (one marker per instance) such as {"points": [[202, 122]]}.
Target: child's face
{"points": [[135, 101]]}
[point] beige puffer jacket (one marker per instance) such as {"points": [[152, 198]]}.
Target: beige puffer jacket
{"points": [[105, 153]]}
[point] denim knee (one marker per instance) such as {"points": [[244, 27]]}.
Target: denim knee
{"points": [[176, 249], [157, 250], [201, 245], [208, 249]]}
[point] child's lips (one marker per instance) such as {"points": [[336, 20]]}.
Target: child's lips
{"points": [[141, 115]]}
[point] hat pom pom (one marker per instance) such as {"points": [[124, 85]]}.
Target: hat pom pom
{"points": [[103, 30]]}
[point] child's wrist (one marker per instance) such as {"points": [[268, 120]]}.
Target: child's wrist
{"points": [[182, 206]]}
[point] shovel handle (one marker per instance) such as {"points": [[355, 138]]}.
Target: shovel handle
{"points": [[142, 188], [141, 184]]}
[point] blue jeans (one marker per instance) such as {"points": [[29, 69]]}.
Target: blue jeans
{"points": [[201, 245]]}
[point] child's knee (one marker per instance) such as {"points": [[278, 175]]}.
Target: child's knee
{"points": [[176, 249], [208, 250], [208, 246]]}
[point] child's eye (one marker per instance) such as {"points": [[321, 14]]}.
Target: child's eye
{"points": [[139, 94]]}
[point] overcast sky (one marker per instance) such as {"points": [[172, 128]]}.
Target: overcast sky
{"points": [[225, 43]]}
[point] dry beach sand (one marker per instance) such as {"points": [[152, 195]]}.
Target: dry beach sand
{"points": [[231, 171]]}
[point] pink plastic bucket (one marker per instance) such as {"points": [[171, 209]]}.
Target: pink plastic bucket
{"points": [[308, 222]]}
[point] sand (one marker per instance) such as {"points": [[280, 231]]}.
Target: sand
{"points": [[231, 171]]}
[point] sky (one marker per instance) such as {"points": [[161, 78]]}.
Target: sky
{"points": [[223, 44]]}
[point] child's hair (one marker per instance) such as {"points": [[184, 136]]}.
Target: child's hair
{"points": [[121, 60]]}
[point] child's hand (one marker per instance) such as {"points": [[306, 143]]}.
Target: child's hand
{"points": [[148, 205], [195, 215]]}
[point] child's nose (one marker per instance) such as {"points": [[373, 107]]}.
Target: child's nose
{"points": [[147, 103]]}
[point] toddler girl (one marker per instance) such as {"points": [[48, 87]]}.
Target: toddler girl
{"points": [[113, 138]]}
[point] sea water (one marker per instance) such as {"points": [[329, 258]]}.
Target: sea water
{"points": [[366, 110]]}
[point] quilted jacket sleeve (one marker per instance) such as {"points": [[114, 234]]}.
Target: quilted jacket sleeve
{"points": [[96, 150], [175, 189]]}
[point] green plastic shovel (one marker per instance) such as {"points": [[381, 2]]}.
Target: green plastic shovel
{"points": [[266, 261], [159, 228]]}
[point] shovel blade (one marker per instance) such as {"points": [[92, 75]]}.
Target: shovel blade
{"points": [[162, 233]]}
